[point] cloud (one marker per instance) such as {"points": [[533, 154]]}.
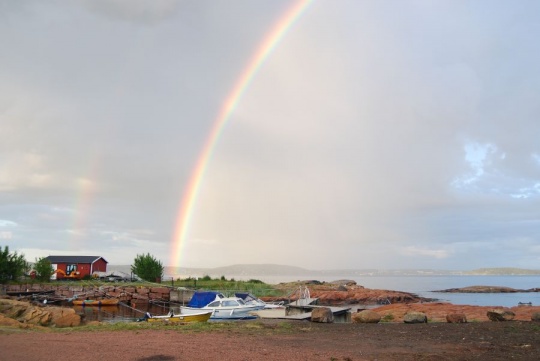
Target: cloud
{"points": [[6, 223], [432, 253], [140, 11]]}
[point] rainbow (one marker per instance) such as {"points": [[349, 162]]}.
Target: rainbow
{"points": [[269, 43]]}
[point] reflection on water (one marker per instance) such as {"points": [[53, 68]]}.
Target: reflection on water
{"points": [[118, 313]]}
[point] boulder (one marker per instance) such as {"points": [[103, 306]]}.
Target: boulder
{"points": [[415, 317], [500, 314], [12, 308], [366, 316], [456, 318], [35, 316], [26, 313], [68, 320], [6, 321], [64, 317], [322, 314], [344, 282], [535, 317]]}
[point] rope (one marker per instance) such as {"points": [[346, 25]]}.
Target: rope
{"points": [[131, 308]]}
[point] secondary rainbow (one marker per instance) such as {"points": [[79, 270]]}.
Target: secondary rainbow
{"points": [[192, 190]]}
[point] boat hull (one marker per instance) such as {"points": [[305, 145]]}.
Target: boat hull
{"points": [[196, 317], [100, 303], [29, 293], [223, 313]]}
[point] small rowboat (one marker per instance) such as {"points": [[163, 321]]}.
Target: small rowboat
{"points": [[180, 318], [106, 302]]}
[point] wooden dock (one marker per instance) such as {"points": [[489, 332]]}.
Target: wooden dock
{"points": [[302, 311]]}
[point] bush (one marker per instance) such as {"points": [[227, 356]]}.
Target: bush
{"points": [[44, 269], [255, 281], [147, 267], [12, 265]]}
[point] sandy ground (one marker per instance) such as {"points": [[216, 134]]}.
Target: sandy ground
{"points": [[281, 340]]}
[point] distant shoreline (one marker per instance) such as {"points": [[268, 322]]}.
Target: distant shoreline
{"points": [[487, 289]]}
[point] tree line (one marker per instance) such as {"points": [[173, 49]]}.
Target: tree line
{"points": [[14, 267]]}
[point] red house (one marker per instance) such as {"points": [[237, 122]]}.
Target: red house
{"points": [[76, 267]]}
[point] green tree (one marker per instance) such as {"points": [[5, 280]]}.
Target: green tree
{"points": [[12, 265], [147, 267], [44, 269]]}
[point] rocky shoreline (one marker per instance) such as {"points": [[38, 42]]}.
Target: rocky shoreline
{"points": [[445, 332], [388, 305]]}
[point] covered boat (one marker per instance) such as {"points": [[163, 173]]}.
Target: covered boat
{"points": [[223, 308], [202, 298]]}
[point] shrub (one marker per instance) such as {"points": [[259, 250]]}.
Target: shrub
{"points": [[147, 267], [44, 269]]}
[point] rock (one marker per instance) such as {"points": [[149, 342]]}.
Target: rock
{"points": [[344, 283], [6, 321], [322, 314], [535, 317], [415, 317], [68, 320], [64, 317], [456, 318], [12, 308], [366, 316], [35, 316], [26, 313], [500, 314]]}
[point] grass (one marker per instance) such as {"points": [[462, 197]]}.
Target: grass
{"points": [[230, 286], [252, 327], [388, 318], [226, 286]]}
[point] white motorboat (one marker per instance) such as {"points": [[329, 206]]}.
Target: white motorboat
{"points": [[251, 300], [225, 308]]}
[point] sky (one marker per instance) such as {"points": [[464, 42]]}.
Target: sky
{"points": [[375, 134]]}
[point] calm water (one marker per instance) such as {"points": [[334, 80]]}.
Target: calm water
{"points": [[420, 285], [425, 285], [119, 313]]}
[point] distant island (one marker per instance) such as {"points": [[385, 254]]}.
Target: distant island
{"points": [[487, 289], [503, 272]]}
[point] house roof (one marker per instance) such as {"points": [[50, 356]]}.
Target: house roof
{"points": [[74, 259]]}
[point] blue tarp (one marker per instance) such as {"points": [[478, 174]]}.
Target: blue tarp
{"points": [[201, 299], [245, 296]]}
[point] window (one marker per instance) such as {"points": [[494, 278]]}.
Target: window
{"points": [[71, 268]]}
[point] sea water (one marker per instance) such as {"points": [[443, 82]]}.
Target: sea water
{"points": [[425, 286]]}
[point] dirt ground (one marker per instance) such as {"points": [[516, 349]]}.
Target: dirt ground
{"points": [[281, 340]]}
